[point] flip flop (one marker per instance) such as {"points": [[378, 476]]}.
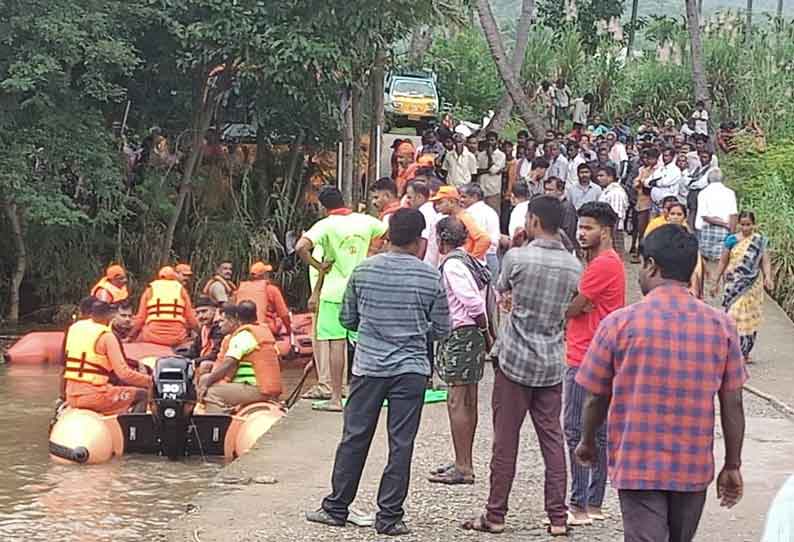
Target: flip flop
{"points": [[572, 520], [441, 469], [326, 406], [597, 516], [316, 394], [566, 532], [482, 525], [452, 477]]}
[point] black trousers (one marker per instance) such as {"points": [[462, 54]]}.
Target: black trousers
{"points": [[660, 516], [362, 411]]}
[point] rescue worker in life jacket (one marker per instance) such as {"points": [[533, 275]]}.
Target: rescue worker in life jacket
{"points": [[92, 355], [247, 370], [220, 287], [185, 274], [165, 314], [271, 309], [207, 344], [112, 288]]}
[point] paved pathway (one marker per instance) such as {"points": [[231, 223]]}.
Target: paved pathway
{"points": [[299, 453]]}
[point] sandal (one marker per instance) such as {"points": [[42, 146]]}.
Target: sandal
{"points": [[327, 406], [573, 520], [316, 394], [451, 477], [441, 469], [482, 525], [566, 530]]}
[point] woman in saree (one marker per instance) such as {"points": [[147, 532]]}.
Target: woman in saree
{"points": [[745, 264]]}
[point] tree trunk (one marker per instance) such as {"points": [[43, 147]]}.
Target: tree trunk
{"points": [[779, 19], [749, 24], [204, 101], [504, 110], [421, 41], [12, 212], [355, 106], [696, 50], [506, 72], [632, 28], [376, 76], [347, 146], [295, 153]]}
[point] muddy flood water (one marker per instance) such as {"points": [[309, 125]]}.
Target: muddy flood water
{"points": [[131, 498]]}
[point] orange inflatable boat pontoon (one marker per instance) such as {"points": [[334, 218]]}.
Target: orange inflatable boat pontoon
{"points": [[45, 347]]}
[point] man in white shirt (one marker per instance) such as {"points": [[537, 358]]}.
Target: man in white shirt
{"points": [[417, 196], [716, 215], [701, 118], [617, 154], [520, 201], [615, 195], [459, 163], [585, 189], [471, 198], [491, 164], [581, 110], [558, 164], [562, 100], [698, 180], [665, 180]]}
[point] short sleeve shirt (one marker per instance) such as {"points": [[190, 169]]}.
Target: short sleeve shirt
{"points": [[345, 240], [604, 285], [663, 360], [241, 345]]}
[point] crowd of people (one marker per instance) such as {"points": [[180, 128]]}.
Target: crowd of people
{"points": [[230, 333], [514, 255]]}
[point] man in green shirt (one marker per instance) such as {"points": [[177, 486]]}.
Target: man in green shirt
{"points": [[345, 238]]}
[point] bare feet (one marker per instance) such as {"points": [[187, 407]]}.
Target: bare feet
{"points": [[595, 513]]}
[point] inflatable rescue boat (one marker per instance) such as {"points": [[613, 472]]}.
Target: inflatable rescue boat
{"points": [[171, 429], [45, 347]]}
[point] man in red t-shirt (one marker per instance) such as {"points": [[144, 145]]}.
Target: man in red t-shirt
{"points": [[602, 290]]}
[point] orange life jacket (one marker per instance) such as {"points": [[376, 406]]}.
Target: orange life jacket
{"points": [[165, 303], [206, 342], [228, 285], [256, 291], [260, 367], [83, 363], [117, 295]]}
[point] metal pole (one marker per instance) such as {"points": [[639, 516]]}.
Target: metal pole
{"points": [[339, 165]]}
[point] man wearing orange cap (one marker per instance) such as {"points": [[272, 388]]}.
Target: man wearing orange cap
{"points": [[447, 202], [410, 173], [112, 288], [165, 314], [185, 274], [402, 157], [270, 304]]}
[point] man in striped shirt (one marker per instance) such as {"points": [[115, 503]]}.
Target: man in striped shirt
{"points": [[393, 319], [615, 195]]}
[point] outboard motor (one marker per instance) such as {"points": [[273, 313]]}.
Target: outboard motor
{"points": [[174, 397]]}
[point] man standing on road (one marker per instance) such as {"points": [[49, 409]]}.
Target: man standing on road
{"points": [[615, 195], [471, 197], [542, 278], [459, 163], [345, 238], [393, 319], [602, 291], [654, 368], [491, 164]]}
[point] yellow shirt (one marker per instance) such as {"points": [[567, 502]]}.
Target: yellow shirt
{"points": [[655, 223]]}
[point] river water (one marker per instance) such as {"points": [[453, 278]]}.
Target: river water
{"points": [[131, 498]]}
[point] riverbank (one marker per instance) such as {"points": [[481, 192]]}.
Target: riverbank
{"points": [[299, 453]]}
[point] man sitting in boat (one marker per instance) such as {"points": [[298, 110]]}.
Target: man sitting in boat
{"points": [[165, 313], [112, 288], [92, 355], [123, 321], [185, 274], [247, 370], [271, 309], [220, 287], [207, 344]]}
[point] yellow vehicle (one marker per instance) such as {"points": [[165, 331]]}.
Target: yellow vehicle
{"points": [[411, 100]]}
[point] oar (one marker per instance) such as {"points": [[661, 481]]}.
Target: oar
{"points": [[295, 395]]}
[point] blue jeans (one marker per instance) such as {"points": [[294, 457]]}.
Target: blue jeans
{"points": [[587, 485]]}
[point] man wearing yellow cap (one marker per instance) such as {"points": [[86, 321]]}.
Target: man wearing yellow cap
{"points": [[165, 314], [112, 288], [270, 304]]}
